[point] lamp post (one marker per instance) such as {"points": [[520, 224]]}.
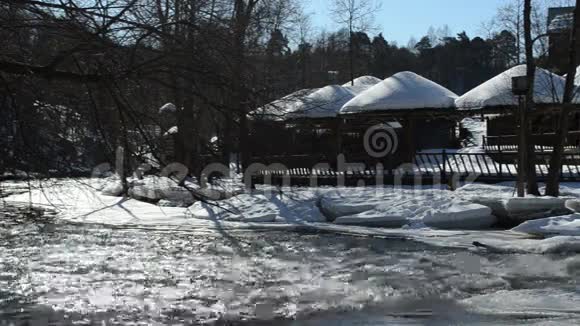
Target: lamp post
{"points": [[520, 88]]}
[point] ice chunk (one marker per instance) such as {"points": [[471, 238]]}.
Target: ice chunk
{"points": [[375, 218], [461, 215], [559, 225], [111, 186], [153, 189], [522, 206]]}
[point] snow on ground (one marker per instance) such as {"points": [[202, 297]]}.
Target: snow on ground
{"points": [[421, 212], [567, 225], [404, 90], [477, 127], [461, 215], [295, 207], [528, 303]]}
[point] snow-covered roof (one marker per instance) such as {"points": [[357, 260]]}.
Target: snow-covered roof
{"points": [[324, 103], [577, 77], [167, 108], [548, 88], [279, 109], [171, 131], [361, 84], [561, 22], [403, 91]]}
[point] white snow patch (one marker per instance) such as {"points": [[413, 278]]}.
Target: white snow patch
{"points": [[153, 188], [461, 215], [171, 131], [515, 206], [568, 225], [111, 186], [405, 90], [323, 103], [530, 302], [278, 110], [296, 207], [477, 127], [168, 108], [361, 84]]}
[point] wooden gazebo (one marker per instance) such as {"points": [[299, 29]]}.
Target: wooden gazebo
{"points": [[422, 109], [495, 100], [301, 129]]}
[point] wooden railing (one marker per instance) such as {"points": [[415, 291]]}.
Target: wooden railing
{"points": [[426, 168], [543, 142]]}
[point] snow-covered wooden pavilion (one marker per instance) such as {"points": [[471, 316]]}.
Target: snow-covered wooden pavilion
{"points": [[302, 127], [421, 108], [495, 99]]}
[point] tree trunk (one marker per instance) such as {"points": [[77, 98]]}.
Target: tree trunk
{"points": [[351, 55], [553, 182], [242, 19], [530, 162]]}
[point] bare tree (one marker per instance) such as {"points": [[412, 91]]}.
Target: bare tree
{"points": [[553, 182], [527, 143], [357, 16]]}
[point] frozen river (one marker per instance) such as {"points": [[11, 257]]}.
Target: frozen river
{"points": [[65, 274]]}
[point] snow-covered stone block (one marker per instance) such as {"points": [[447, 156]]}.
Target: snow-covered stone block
{"points": [[334, 208], [461, 215], [497, 206], [112, 187], [153, 189], [573, 205], [520, 207], [560, 225], [373, 218]]}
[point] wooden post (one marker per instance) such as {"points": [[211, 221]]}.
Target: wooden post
{"points": [[444, 168], [522, 150], [338, 135], [411, 138]]}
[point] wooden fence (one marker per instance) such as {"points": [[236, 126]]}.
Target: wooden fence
{"points": [[427, 168]]}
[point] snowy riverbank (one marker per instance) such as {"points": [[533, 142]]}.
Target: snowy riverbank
{"points": [[436, 216]]}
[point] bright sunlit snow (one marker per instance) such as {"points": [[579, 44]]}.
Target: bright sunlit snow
{"points": [[548, 88], [404, 90]]}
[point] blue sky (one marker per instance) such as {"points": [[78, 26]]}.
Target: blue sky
{"points": [[400, 19]]}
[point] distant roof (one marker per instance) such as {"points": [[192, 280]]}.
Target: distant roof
{"points": [[560, 18], [326, 102], [167, 108], [548, 87], [361, 84], [279, 109], [562, 22], [403, 91]]}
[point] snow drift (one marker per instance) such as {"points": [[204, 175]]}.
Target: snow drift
{"points": [[405, 90]]}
